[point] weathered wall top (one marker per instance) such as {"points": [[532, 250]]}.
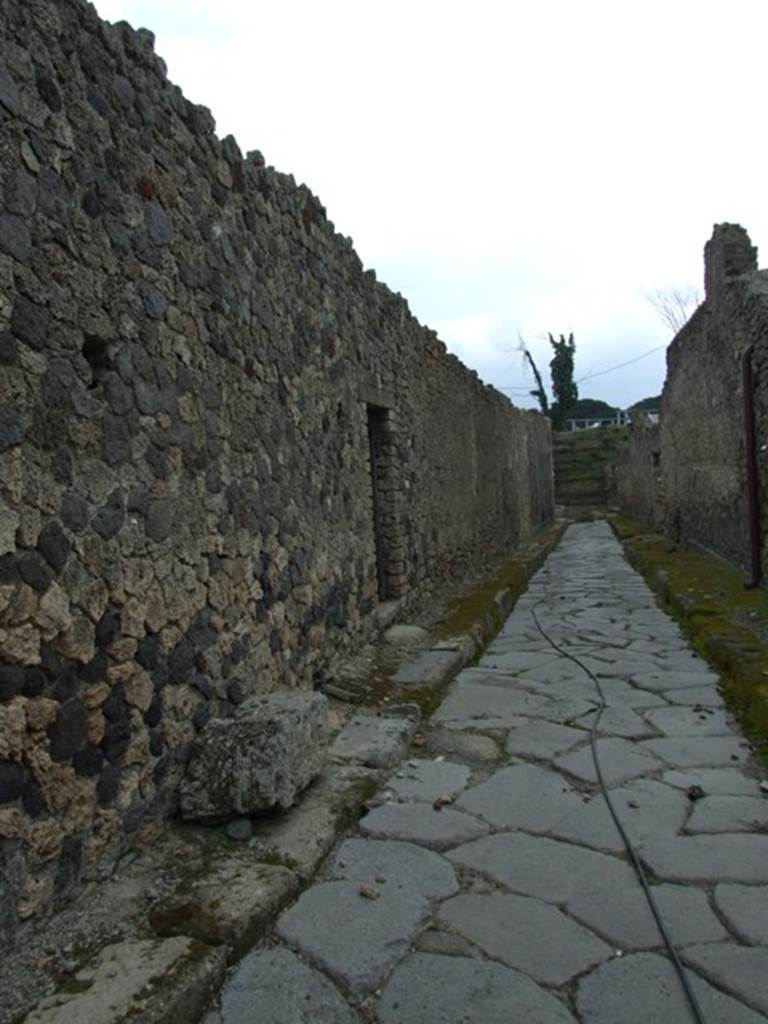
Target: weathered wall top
{"points": [[692, 481], [728, 253]]}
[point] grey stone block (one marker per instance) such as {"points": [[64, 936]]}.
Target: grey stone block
{"points": [[422, 824], [729, 814], [429, 668], [698, 751], [516, 662], [623, 917], [454, 990], [527, 934], [524, 796], [617, 720], [387, 864], [619, 760], [745, 908], [156, 981], [646, 808], [304, 836], [644, 989], [731, 857], [543, 740], [473, 706], [232, 903], [706, 696], [715, 781], [467, 746], [736, 969], [373, 740], [672, 679], [276, 987], [689, 721], [538, 866], [427, 780], [262, 757], [355, 939]]}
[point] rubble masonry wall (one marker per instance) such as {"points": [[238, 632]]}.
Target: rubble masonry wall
{"points": [[194, 370]]}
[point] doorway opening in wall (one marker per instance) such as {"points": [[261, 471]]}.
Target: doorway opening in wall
{"points": [[389, 569]]}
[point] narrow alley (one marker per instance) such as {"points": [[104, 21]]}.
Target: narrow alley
{"points": [[490, 882]]}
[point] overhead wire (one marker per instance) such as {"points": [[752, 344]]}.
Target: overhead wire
{"points": [[589, 376], [628, 844]]}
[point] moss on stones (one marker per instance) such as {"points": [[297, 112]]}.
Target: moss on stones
{"points": [[725, 622]]}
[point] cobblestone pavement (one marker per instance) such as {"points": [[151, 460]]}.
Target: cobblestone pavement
{"points": [[490, 884]]}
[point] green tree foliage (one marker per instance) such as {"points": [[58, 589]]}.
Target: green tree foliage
{"points": [[652, 404], [564, 388], [591, 408]]}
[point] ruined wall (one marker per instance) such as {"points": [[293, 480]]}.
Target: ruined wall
{"points": [[638, 473], [194, 372], [702, 499]]}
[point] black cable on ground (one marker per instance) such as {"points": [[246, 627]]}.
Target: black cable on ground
{"points": [[636, 863]]}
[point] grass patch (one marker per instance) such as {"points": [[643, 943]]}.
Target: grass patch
{"points": [[583, 460], [476, 612], [726, 623]]}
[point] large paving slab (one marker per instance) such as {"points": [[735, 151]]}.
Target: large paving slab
{"points": [[738, 970], [713, 781], [705, 696], [542, 867], [689, 721], [419, 779], [437, 829], [646, 808], [644, 989], [729, 814], [457, 990], [674, 679], [357, 940], [525, 933], [698, 751], [543, 740], [620, 760], [387, 864], [476, 706], [276, 987], [523, 796], [729, 857], [623, 916], [375, 741], [745, 908]]}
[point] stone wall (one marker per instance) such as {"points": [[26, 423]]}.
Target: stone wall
{"points": [[702, 495], [638, 473], [201, 391]]}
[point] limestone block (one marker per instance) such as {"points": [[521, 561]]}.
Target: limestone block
{"points": [[13, 726], [40, 713], [157, 981], [261, 758], [53, 616], [78, 641], [9, 523]]}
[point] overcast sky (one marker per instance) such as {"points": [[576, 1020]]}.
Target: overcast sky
{"points": [[511, 168]]}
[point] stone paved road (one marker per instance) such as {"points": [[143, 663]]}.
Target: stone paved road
{"points": [[516, 902]]}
